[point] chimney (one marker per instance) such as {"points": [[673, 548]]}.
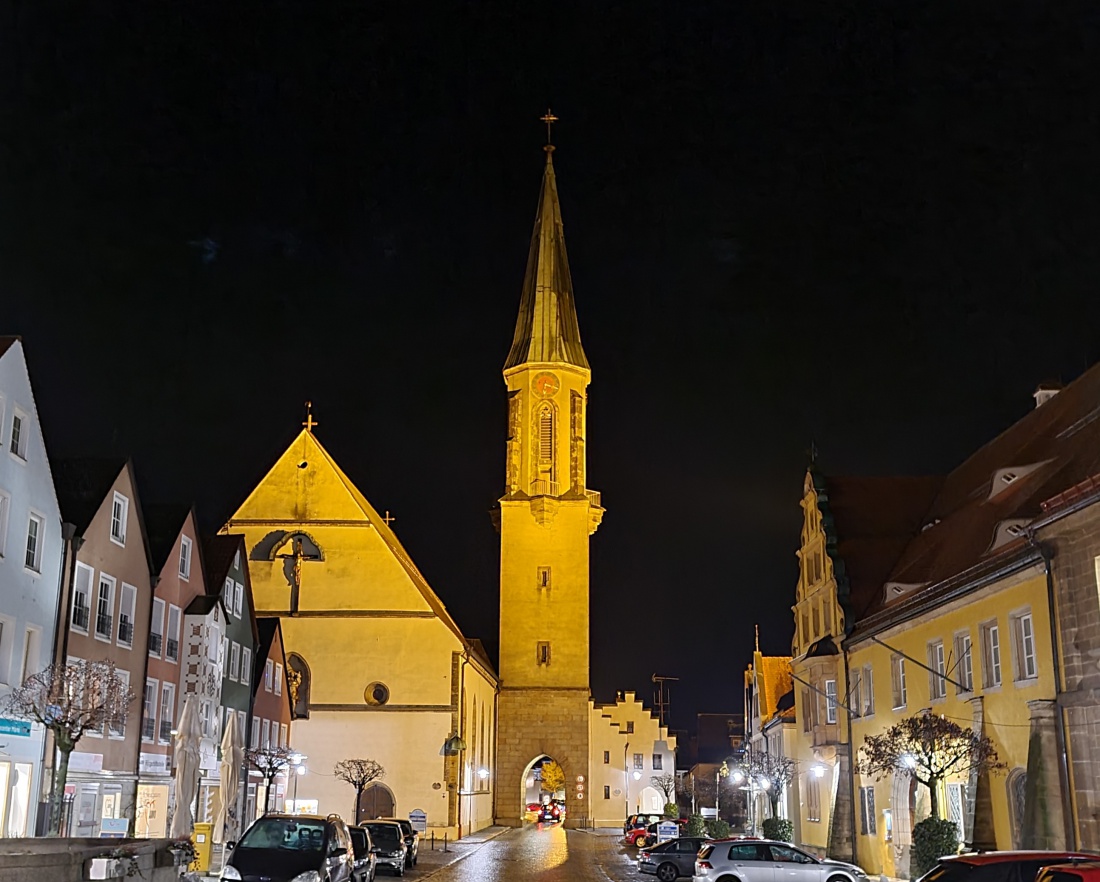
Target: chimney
{"points": [[1044, 392]]}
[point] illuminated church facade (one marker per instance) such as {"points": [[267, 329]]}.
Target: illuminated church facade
{"points": [[379, 668]]}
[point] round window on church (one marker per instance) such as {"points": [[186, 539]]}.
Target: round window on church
{"points": [[376, 694]]}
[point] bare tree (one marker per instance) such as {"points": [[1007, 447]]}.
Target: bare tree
{"points": [[776, 770], [930, 748], [70, 701], [359, 773], [269, 762], [666, 783]]}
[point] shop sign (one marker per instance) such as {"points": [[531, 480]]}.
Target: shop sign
{"points": [[154, 764], [85, 762], [19, 728]]}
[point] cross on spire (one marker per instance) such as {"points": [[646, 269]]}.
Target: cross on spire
{"points": [[310, 422], [388, 519], [549, 119]]}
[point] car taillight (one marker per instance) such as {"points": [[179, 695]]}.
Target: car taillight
{"points": [[703, 866]]}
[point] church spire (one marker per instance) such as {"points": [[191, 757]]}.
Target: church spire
{"points": [[547, 328]]}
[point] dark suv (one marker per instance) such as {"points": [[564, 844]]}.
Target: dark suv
{"points": [[281, 847], [412, 839]]}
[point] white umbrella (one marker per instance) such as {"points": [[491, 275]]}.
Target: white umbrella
{"points": [[188, 736], [227, 825]]}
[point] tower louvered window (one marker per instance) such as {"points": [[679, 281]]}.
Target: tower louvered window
{"points": [[546, 434]]}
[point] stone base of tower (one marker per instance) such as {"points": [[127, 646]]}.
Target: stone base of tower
{"points": [[532, 723]]}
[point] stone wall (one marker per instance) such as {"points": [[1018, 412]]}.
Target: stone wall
{"points": [[65, 860], [1075, 543], [536, 722]]}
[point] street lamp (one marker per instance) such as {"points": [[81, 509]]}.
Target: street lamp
{"points": [[298, 761], [722, 772]]}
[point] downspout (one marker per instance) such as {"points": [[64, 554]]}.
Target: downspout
{"points": [[461, 721], [1068, 812], [851, 754]]}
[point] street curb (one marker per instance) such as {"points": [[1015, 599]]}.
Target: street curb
{"points": [[478, 842]]}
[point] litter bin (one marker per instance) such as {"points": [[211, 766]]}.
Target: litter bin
{"points": [[202, 837]]}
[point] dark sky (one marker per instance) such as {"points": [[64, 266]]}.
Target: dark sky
{"points": [[871, 228]]}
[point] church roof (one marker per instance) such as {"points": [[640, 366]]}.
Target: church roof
{"points": [[773, 680], [352, 507], [547, 329]]}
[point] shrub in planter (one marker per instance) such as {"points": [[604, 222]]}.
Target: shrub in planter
{"points": [[695, 827], [778, 828], [672, 810], [717, 829], [932, 839]]}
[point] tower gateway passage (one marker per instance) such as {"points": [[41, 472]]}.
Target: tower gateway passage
{"points": [[545, 519]]}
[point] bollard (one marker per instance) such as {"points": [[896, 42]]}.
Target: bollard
{"points": [[445, 841], [433, 840]]}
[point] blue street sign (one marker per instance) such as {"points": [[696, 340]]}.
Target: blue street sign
{"points": [[18, 728]]}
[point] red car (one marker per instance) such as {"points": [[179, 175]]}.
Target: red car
{"points": [[996, 866], [1086, 871]]}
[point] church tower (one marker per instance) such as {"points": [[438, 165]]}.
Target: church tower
{"points": [[545, 519]]}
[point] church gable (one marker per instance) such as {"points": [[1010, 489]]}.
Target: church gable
{"points": [[303, 485]]}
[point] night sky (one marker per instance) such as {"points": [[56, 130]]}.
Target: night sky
{"points": [[787, 224]]}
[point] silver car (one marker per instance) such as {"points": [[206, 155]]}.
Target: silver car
{"points": [[762, 860], [389, 849]]}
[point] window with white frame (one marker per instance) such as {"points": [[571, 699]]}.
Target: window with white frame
{"points": [[255, 740], [284, 739], [278, 679], [269, 675], [227, 594], [897, 682], [205, 710], [242, 721], [1023, 646], [156, 628], [167, 712], [639, 761], [237, 559], [830, 701], [266, 739], [185, 558], [36, 535], [19, 423], [32, 650], [246, 665], [149, 710], [937, 685], [855, 691], [172, 636], [120, 507], [868, 691], [82, 597], [117, 728], [104, 611], [991, 654], [5, 512], [234, 660], [813, 797], [126, 605], [964, 667], [238, 598], [658, 762]]}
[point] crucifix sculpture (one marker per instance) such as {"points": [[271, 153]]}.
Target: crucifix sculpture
{"points": [[297, 557]]}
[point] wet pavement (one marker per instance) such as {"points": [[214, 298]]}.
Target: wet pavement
{"points": [[547, 853]]}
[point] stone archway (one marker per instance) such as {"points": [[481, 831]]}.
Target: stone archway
{"points": [[376, 802], [532, 786]]}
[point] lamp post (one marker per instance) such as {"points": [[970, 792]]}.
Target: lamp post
{"points": [[722, 772], [454, 746], [298, 761]]}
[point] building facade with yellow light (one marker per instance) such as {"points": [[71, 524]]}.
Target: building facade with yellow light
{"points": [[770, 731], [934, 595]]}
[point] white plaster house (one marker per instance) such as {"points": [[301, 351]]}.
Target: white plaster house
{"points": [[30, 568]]}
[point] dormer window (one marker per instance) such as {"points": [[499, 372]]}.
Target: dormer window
{"points": [[1009, 477], [120, 506]]}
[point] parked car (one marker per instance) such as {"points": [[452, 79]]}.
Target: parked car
{"points": [[390, 850], [1085, 871], [364, 854], [281, 847], [642, 820], [412, 839], [641, 836], [765, 860], [995, 866], [672, 859]]}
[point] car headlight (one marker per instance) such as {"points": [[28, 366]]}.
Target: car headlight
{"points": [[397, 854], [307, 876], [230, 873]]}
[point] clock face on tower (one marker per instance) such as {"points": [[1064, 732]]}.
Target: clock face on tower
{"points": [[545, 384]]}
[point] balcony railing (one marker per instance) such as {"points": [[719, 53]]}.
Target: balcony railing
{"points": [[148, 728], [594, 497], [103, 624], [81, 615], [172, 649], [544, 488], [155, 642], [125, 630], [165, 730]]}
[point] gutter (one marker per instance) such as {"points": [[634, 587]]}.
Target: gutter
{"points": [[851, 759]]}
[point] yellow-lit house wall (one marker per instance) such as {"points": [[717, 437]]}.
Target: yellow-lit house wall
{"points": [[629, 748], [1003, 704], [390, 677], [818, 670]]}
